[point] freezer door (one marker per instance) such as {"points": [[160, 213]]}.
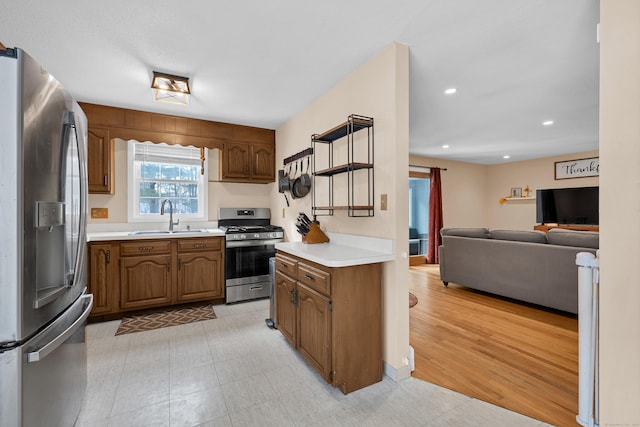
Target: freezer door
{"points": [[54, 377]]}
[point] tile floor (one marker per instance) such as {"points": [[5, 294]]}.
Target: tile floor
{"points": [[234, 371]]}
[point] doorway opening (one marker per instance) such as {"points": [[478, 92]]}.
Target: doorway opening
{"points": [[418, 216]]}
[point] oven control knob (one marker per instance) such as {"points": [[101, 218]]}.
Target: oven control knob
{"points": [[256, 235], [242, 237]]}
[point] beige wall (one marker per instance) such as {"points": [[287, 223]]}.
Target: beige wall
{"points": [[464, 191], [620, 212], [220, 195], [379, 89], [537, 174], [471, 193]]}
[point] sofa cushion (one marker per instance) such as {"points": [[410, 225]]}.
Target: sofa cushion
{"points": [[580, 239], [520, 235], [481, 233]]}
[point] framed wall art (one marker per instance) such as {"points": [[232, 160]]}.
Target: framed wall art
{"points": [[579, 168]]}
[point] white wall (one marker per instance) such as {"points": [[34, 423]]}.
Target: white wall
{"points": [[378, 89], [221, 194], [620, 212]]}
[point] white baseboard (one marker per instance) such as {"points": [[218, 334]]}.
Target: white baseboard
{"points": [[397, 375]]}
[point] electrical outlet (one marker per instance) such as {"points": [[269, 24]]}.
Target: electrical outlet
{"points": [[383, 202], [99, 212], [282, 212]]}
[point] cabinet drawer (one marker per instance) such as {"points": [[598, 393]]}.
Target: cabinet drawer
{"points": [[286, 265], [199, 244], [145, 247], [317, 280]]}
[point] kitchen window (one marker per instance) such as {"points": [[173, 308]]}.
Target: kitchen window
{"points": [[162, 171]]}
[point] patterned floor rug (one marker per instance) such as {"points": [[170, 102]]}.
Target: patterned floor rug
{"points": [[164, 319], [413, 300]]}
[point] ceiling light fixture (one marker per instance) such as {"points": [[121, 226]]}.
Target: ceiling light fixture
{"points": [[445, 146], [170, 88], [450, 91], [506, 157], [547, 123]]}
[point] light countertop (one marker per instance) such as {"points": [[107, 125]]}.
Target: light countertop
{"points": [[343, 250], [126, 235]]}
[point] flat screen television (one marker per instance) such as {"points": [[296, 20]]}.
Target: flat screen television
{"points": [[567, 205]]}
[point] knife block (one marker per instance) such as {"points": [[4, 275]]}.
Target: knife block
{"points": [[315, 235]]}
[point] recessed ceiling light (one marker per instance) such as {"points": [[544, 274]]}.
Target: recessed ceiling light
{"points": [[506, 157], [547, 123], [450, 91], [445, 146]]}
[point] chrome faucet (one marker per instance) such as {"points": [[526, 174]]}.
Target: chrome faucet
{"points": [[171, 223]]}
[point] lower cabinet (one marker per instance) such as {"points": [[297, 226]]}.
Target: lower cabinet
{"points": [[333, 317], [140, 274], [145, 281]]}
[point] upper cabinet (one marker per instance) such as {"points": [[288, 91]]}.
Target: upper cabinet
{"points": [[247, 162], [100, 162], [248, 153]]}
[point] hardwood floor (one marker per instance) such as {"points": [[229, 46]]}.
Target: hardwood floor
{"points": [[512, 355]]}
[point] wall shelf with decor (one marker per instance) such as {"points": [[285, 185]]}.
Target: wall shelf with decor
{"points": [[513, 199], [359, 173]]}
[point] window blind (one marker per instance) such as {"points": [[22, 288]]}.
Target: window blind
{"points": [[149, 152]]}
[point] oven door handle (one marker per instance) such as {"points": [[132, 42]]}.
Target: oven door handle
{"points": [[249, 243]]}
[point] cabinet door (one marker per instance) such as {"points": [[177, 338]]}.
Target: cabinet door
{"points": [[235, 161], [263, 162], [101, 278], [285, 307], [100, 162], [145, 281], [200, 276], [314, 329]]}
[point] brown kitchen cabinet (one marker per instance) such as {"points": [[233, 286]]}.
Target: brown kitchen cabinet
{"points": [[101, 276], [100, 161], [247, 162], [333, 317], [145, 273], [200, 270], [140, 274]]}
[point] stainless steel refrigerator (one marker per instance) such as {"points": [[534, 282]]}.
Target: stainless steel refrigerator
{"points": [[43, 204]]}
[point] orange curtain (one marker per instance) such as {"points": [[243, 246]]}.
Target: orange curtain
{"points": [[435, 217]]}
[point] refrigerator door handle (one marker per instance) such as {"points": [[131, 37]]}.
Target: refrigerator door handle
{"points": [[36, 356]]}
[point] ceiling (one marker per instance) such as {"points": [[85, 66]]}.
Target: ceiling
{"points": [[515, 63]]}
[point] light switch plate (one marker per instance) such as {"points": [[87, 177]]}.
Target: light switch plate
{"points": [[99, 212], [383, 202]]}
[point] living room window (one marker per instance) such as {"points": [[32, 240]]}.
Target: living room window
{"points": [[418, 213], [162, 171]]}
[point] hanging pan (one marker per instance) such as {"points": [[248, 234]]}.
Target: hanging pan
{"points": [[302, 184]]}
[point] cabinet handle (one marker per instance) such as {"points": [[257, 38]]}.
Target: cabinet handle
{"points": [[145, 248], [310, 277], [108, 256], [283, 264], [106, 179], [169, 266], [246, 167], [199, 245], [179, 264]]}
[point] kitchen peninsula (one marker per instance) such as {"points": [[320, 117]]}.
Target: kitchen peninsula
{"points": [[329, 305]]}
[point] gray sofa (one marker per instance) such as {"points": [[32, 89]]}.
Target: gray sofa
{"points": [[529, 266]]}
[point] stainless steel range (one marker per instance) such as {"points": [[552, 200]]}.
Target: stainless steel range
{"points": [[250, 242]]}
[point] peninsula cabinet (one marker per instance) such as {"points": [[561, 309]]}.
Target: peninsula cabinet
{"points": [[140, 274], [247, 162], [100, 161], [333, 317]]}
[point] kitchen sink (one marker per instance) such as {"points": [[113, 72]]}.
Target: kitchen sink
{"points": [[139, 232]]}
